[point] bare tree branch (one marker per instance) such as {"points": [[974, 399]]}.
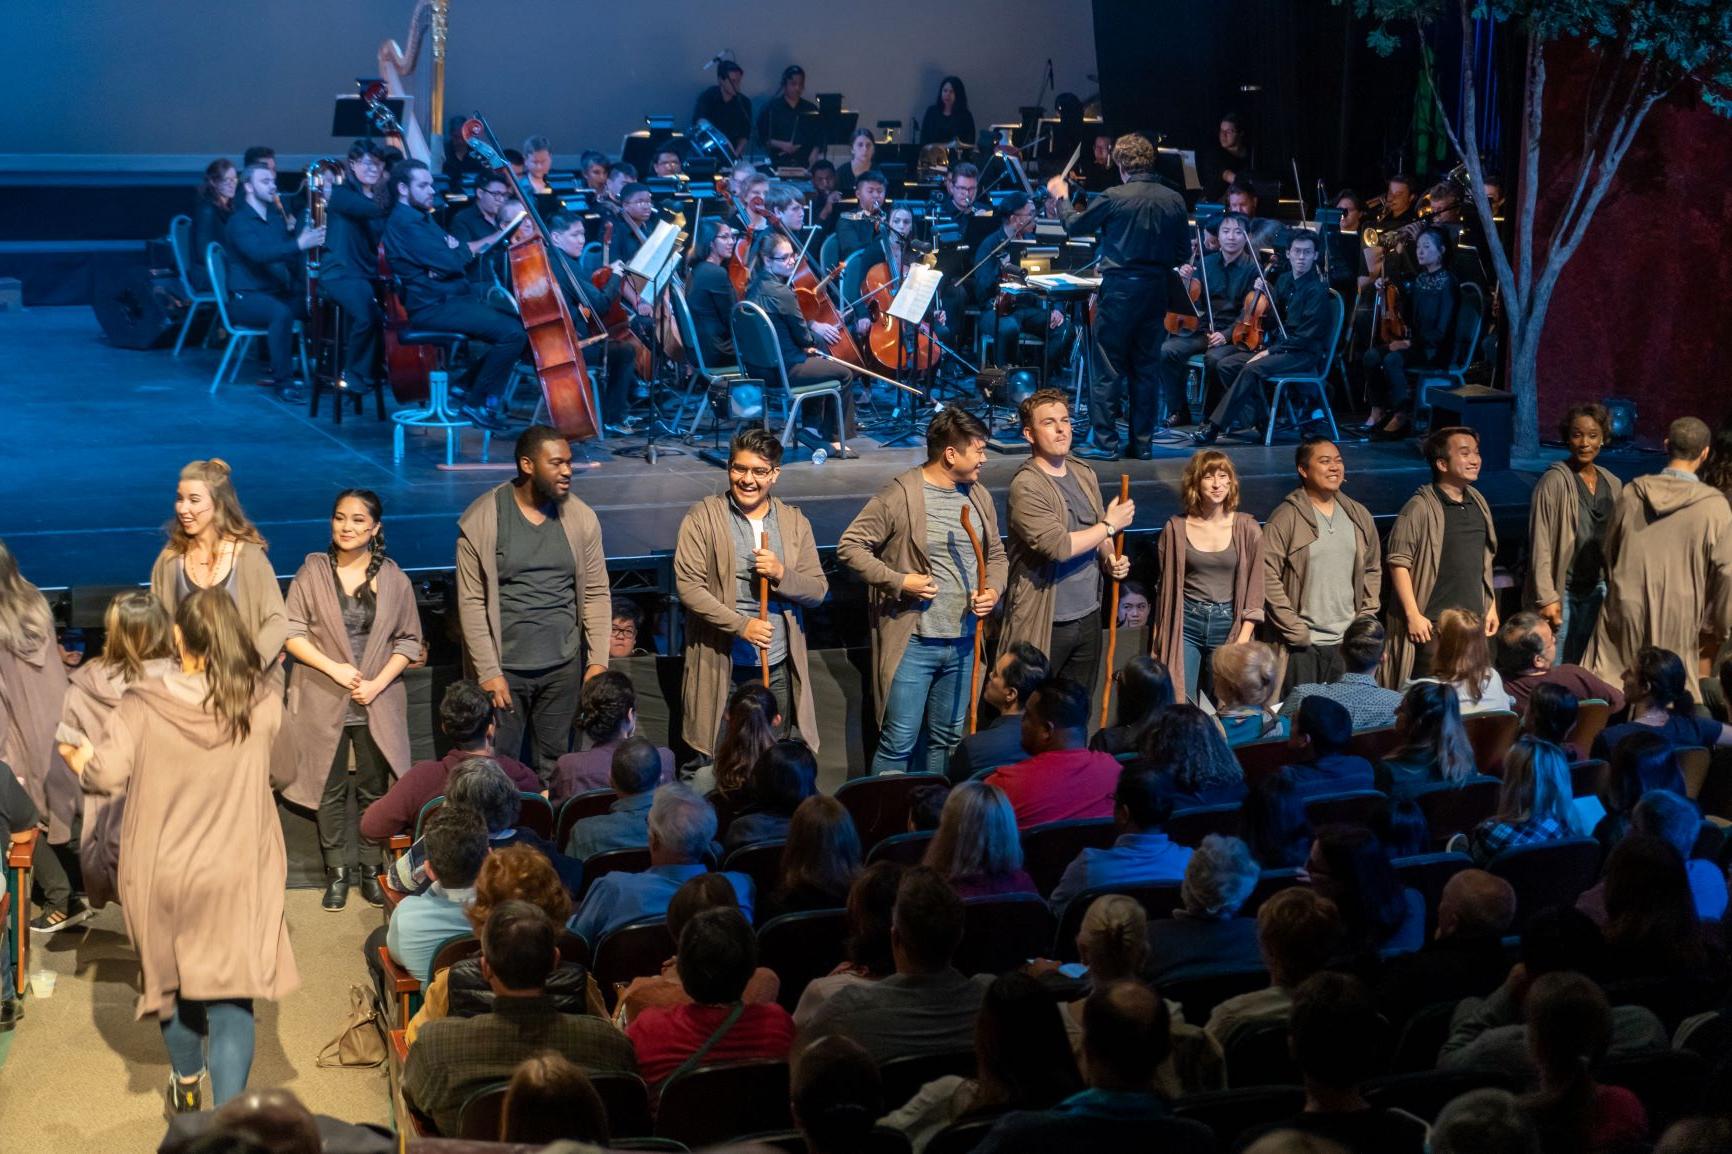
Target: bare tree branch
{"points": [[1536, 91]]}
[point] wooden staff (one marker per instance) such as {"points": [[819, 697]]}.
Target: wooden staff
{"points": [[1113, 620], [764, 607], [979, 587]]}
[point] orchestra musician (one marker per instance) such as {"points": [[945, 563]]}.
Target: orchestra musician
{"points": [[495, 202], [749, 204], [1229, 162], [461, 165], [355, 213], [1428, 306], [431, 264], [826, 197], [1142, 229], [537, 163], [709, 293], [210, 216], [786, 205], [947, 119], [894, 248], [1264, 233], [1226, 275], [1029, 314], [862, 154], [637, 207], [619, 174], [780, 117], [667, 162], [1346, 269], [726, 107], [956, 214], [265, 271], [614, 359], [775, 264], [592, 166], [860, 228]]}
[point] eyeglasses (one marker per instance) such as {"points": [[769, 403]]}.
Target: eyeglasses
{"points": [[757, 473], [623, 631]]}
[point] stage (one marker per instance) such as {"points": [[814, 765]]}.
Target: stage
{"points": [[96, 435]]}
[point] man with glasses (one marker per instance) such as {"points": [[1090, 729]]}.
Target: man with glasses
{"points": [[483, 218], [1030, 314], [801, 354], [616, 360], [720, 557]]}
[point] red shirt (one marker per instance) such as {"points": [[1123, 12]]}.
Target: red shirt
{"points": [[397, 810], [665, 1036], [1059, 784]]}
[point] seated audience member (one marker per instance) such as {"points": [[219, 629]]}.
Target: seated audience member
{"points": [[1145, 688], [606, 716], [1142, 854], [1659, 701], [1463, 661], [1112, 944], [1400, 825], [718, 955], [1372, 706], [785, 775], [1642, 763], [681, 827], [819, 862], [1431, 743], [466, 719], [1652, 929], [1488, 1121], [1534, 804], [1062, 778], [926, 808], [481, 785], [749, 727], [627, 626], [1196, 768], [926, 1006], [1336, 1037], [1695, 1136], [976, 848], [637, 770], [1569, 1031], [1298, 932], [1349, 866], [456, 842], [835, 1096], [454, 1057], [1244, 685], [1127, 1034], [1321, 730], [1550, 715], [1673, 819], [1016, 674], [1465, 956], [1273, 823], [1206, 932], [548, 1099], [871, 902], [1525, 648], [704, 892], [1023, 1062]]}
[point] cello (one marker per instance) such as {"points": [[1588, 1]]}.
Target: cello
{"points": [[815, 303], [559, 364], [878, 288], [617, 319]]}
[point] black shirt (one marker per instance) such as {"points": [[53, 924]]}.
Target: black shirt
{"points": [[792, 332], [985, 264], [856, 230], [710, 297], [1461, 560], [210, 222], [1228, 284], [937, 128], [537, 589], [731, 118], [354, 223], [263, 255], [1430, 300], [459, 170], [430, 269], [1142, 225], [1305, 316], [492, 265], [777, 120], [1593, 511]]}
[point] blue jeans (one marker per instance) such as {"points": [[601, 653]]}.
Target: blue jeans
{"points": [[1208, 626], [1581, 614], [228, 1027], [931, 683]]}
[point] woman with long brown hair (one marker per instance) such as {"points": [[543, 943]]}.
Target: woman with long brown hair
{"points": [[212, 545], [1463, 660], [353, 629], [210, 216], [202, 864]]}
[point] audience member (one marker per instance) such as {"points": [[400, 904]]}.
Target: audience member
{"points": [[1145, 688], [1400, 824], [1488, 1121], [926, 1006], [718, 955], [1432, 745], [704, 892], [1673, 819], [549, 1098], [1142, 854], [1062, 778], [749, 727], [820, 860], [681, 827], [606, 716], [1641, 763], [480, 784], [1569, 1031], [272, 1121], [1206, 931], [835, 1096], [871, 901], [636, 771], [1657, 690], [456, 842], [1463, 661], [1526, 652], [1348, 866], [1372, 706], [1696, 1136], [1245, 683], [976, 847], [785, 775], [454, 1057], [1298, 932], [926, 808], [1534, 804], [1550, 715], [1465, 956], [1016, 674], [1321, 730], [1195, 765], [1273, 823], [1652, 928]]}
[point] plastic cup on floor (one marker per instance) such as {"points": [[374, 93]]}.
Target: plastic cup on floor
{"points": [[42, 983]]}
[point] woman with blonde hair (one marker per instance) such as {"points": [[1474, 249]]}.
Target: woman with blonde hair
{"points": [[212, 545], [1210, 575], [202, 864], [977, 848], [138, 644], [1244, 678], [1534, 804], [1463, 660]]}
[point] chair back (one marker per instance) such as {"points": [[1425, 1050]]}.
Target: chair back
{"points": [[1491, 735], [1230, 1113], [1258, 1055], [1048, 849], [1269, 883], [1694, 761], [827, 254], [626, 1099], [1003, 932], [962, 1137], [1587, 777], [573, 949], [1592, 715], [714, 1104], [855, 266], [1355, 807], [216, 263], [430, 808], [1456, 807], [535, 814], [1200, 995], [180, 243], [799, 947], [1426, 1031], [689, 334], [1259, 759], [1425, 1093], [755, 343], [907, 849], [634, 950], [453, 950], [1469, 320], [761, 861], [1158, 901], [1191, 826], [590, 803], [903, 1077], [1374, 744], [879, 804], [478, 1121], [1429, 873], [1338, 322], [1552, 873], [633, 860]]}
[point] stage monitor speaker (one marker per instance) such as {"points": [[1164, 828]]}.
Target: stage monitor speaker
{"points": [[139, 307], [1488, 412]]}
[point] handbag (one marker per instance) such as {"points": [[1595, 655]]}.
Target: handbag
{"points": [[361, 1043]]}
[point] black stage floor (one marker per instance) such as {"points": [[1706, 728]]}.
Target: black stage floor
{"points": [[94, 437]]}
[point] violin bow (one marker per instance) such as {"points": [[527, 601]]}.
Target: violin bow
{"points": [[1268, 289], [1113, 621], [979, 625], [764, 606]]}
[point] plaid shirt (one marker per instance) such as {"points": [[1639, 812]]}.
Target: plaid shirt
{"points": [[1491, 837], [1372, 706]]}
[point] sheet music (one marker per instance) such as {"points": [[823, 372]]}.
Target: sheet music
{"points": [[651, 263], [919, 286]]}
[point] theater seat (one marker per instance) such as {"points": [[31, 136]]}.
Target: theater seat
{"points": [[879, 804], [799, 947], [714, 1104], [1002, 933], [1553, 873], [1230, 1113], [1048, 849]]}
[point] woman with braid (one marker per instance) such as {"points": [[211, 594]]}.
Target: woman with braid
{"points": [[352, 630]]}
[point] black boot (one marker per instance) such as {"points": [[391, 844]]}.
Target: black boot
{"points": [[336, 888], [370, 891]]}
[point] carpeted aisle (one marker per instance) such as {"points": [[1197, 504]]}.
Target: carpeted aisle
{"points": [[82, 1075]]}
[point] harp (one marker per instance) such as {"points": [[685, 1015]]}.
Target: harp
{"points": [[426, 87]]}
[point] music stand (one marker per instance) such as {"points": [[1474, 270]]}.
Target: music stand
{"points": [[913, 300], [349, 115], [655, 264]]}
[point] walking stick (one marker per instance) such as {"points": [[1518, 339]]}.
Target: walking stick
{"points": [[1113, 621], [764, 607], [979, 587]]}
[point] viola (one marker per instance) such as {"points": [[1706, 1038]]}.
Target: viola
{"points": [[1248, 330], [1391, 324], [1179, 321]]}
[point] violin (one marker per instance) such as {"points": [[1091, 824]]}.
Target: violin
{"points": [[1391, 324], [1248, 330], [1177, 321], [617, 319], [886, 338], [740, 272]]}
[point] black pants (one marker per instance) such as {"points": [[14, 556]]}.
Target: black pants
{"points": [[502, 338], [1312, 665], [1244, 403], [1075, 650], [781, 688], [617, 362], [276, 313], [537, 727], [1035, 321], [1128, 334], [1386, 375], [339, 833], [56, 867], [814, 370], [361, 327]]}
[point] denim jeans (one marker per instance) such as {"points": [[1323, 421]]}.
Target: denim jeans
{"points": [[1581, 614], [1208, 626], [228, 1028], [931, 684]]}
